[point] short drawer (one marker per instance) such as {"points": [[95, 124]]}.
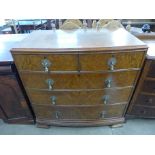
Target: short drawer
{"points": [[54, 62], [111, 61], [143, 111], [148, 86], [80, 97], [79, 81], [78, 113], [151, 71]]}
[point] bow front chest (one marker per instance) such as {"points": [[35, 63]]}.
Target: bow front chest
{"points": [[79, 77]]}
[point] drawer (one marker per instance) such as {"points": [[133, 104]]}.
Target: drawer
{"points": [[78, 113], [54, 62], [147, 100], [148, 86], [79, 81], [111, 61], [151, 71], [143, 111], [108, 96]]}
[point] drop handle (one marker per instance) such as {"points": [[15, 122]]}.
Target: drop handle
{"points": [[108, 83], [50, 83], [111, 63], [58, 115], [105, 99], [53, 99], [46, 64]]}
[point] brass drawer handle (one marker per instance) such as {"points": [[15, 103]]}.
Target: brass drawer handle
{"points": [[105, 99], [111, 63], [102, 114], [46, 64], [50, 83], [58, 115], [53, 99], [108, 82]]}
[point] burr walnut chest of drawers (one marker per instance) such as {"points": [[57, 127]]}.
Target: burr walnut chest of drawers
{"points": [[79, 77]]}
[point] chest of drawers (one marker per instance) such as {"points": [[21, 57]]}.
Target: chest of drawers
{"points": [[143, 101], [14, 104], [80, 77]]}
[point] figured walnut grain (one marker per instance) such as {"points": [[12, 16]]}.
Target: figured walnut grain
{"points": [[80, 97]]}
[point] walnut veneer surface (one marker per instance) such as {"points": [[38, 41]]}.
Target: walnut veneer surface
{"points": [[81, 77]]}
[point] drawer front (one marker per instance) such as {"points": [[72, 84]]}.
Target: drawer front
{"points": [[143, 111], [147, 100], [109, 96], [88, 62], [55, 62], [112, 61], [78, 113], [79, 81], [151, 72], [148, 86]]}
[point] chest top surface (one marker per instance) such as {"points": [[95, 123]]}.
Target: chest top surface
{"points": [[79, 40], [7, 42]]}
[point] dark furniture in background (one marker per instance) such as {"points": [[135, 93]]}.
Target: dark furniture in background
{"points": [[143, 101], [26, 26], [14, 104]]}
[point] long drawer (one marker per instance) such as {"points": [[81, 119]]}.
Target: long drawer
{"points": [[143, 111], [145, 99], [148, 86], [89, 97], [78, 113], [84, 62], [79, 81], [151, 72]]}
